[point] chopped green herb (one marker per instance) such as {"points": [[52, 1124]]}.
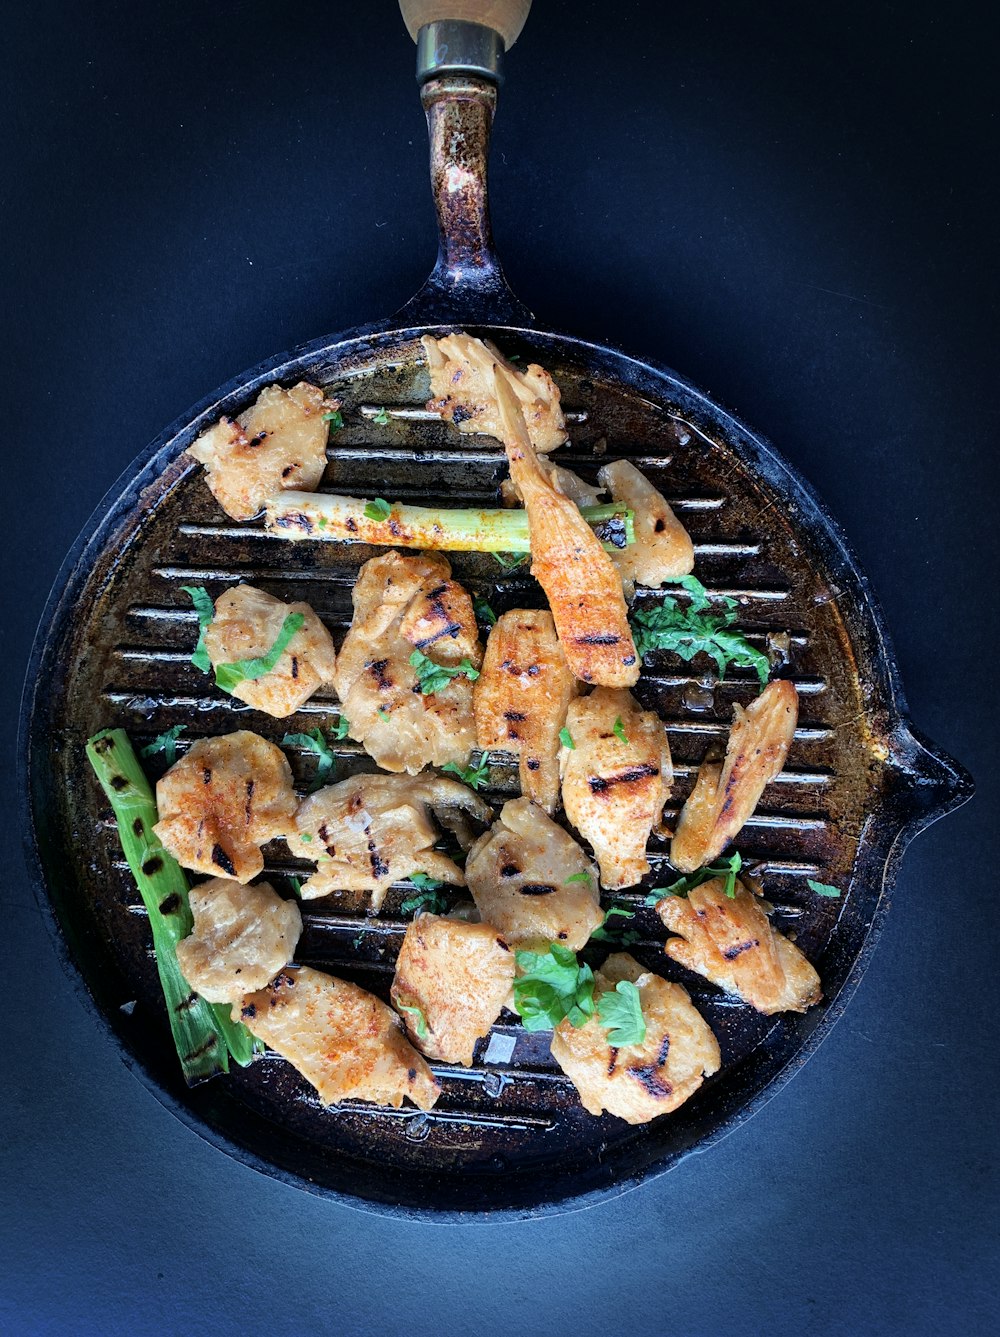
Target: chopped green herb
{"points": [[620, 1014], [428, 897], [305, 835], [822, 888], [356, 942], [553, 985], [616, 933], [727, 868], [382, 418], [510, 560], [228, 676], [342, 728], [578, 877], [619, 731], [691, 630], [296, 885], [382, 714], [566, 738], [335, 419], [421, 1020], [483, 611], [165, 743], [378, 509], [205, 609], [314, 742], [471, 775], [435, 677]]}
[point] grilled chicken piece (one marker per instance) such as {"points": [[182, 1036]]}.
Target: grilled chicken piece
{"points": [[457, 976], [532, 881], [564, 480], [725, 794], [567, 559], [731, 942], [277, 444], [343, 1040], [404, 603], [246, 625], [462, 390], [662, 549], [614, 791], [242, 937], [521, 697], [222, 801], [372, 830], [639, 1082]]}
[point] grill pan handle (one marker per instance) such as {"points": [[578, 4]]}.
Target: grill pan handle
{"points": [[458, 66]]}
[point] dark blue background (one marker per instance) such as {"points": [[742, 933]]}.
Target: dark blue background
{"points": [[793, 204]]}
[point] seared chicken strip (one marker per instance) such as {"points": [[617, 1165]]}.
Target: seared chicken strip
{"points": [[615, 780], [567, 559], [452, 978], [521, 698], [639, 1082], [372, 830], [343, 1040], [246, 625], [564, 480], [404, 603], [726, 794], [730, 941], [222, 801], [532, 881], [242, 937], [279, 443], [662, 549], [462, 390]]}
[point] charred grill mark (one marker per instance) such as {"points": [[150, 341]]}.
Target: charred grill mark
{"points": [[138, 827], [377, 668], [222, 860], [533, 763], [286, 471], [536, 889], [731, 953], [379, 865], [660, 525], [206, 775], [661, 1057], [296, 520], [104, 745], [257, 440], [449, 629], [600, 784], [613, 531], [152, 866], [209, 1045], [118, 783], [597, 638], [460, 413], [169, 903], [436, 592], [248, 804], [187, 1002], [628, 659], [250, 1011], [295, 666], [351, 525], [502, 945], [518, 715], [650, 1081], [509, 870]]}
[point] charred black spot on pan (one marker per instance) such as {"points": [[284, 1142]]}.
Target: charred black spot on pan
{"points": [[731, 953], [651, 1081], [152, 866], [598, 638], [118, 782], [169, 903], [536, 889], [222, 860]]}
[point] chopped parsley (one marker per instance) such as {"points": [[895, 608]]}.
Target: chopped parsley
{"points": [[421, 1021], [553, 985], [433, 677], [205, 609], [692, 629], [619, 731], [578, 877], [510, 560], [429, 896], [228, 676], [296, 885], [377, 509], [335, 419], [342, 728], [727, 868], [314, 742], [382, 714], [165, 743], [566, 738], [382, 418], [620, 1013], [471, 775], [822, 888], [615, 933], [483, 611]]}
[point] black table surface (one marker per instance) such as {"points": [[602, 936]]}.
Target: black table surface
{"points": [[794, 205]]}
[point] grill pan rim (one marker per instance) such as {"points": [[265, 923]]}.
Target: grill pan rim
{"points": [[931, 783]]}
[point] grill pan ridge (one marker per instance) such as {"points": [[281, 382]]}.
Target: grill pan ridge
{"points": [[114, 644]]}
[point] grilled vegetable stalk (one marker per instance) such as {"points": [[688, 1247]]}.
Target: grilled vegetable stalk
{"points": [[321, 515], [204, 1035]]}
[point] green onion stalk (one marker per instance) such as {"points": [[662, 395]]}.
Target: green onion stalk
{"points": [[203, 1032]]}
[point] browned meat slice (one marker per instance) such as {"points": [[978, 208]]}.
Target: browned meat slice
{"points": [[521, 698], [580, 581], [532, 881], [615, 780], [725, 795], [372, 830], [662, 549], [639, 1082], [346, 1042], [564, 480], [278, 443], [452, 978], [462, 391], [242, 937], [246, 625], [222, 801], [404, 603], [730, 941]]}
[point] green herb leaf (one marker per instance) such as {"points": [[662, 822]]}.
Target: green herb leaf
{"points": [[727, 868], [205, 609], [296, 885], [165, 743], [553, 985], [566, 738], [228, 676], [483, 611], [428, 897], [471, 775], [417, 1012], [314, 742], [690, 630], [383, 714], [510, 560], [822, 888], [615, 933], [335, 419], [342, 728], [382, 418], [619, 731], [433, 677], [578, 877], [621, 1016], [378, 509]]}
